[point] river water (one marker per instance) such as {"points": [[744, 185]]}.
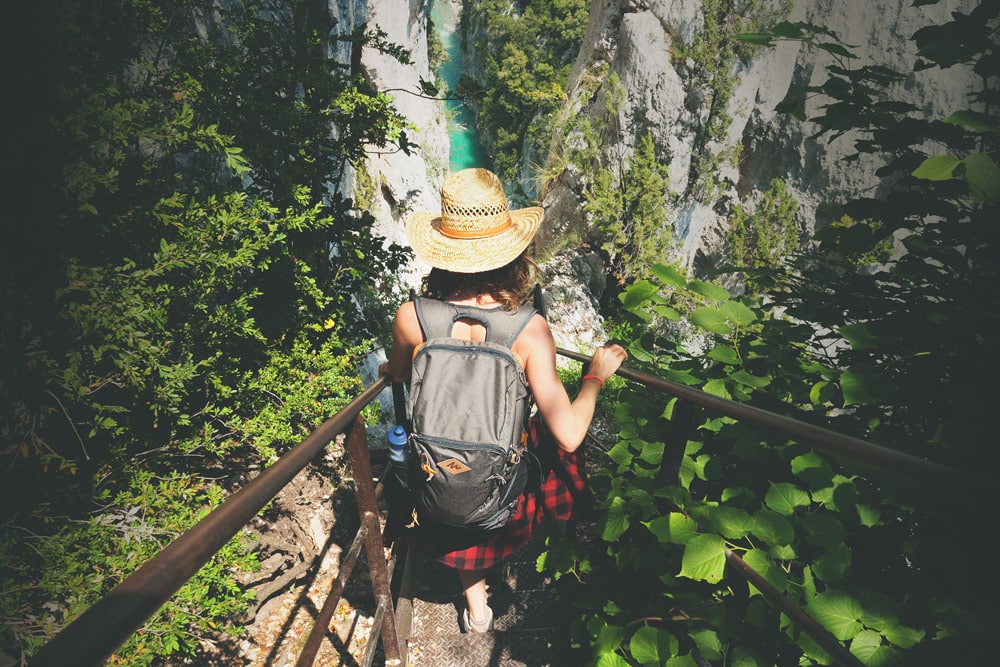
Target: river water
{"points": [[466, 151]]}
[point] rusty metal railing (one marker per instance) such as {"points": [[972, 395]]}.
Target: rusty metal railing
{"points": [[937, 481], [93, 636]]}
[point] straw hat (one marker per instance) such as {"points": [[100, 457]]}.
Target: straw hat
{"points": [[475, 229]]}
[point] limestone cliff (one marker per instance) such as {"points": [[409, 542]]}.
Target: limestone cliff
{"points": [[637, 40], [403, 182]]}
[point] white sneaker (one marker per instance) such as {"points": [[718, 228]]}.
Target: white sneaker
{"points": [[485, 625]]}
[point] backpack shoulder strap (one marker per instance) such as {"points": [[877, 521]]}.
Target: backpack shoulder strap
{"points": [[437, 317]]}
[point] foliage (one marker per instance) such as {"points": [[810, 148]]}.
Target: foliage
{"points": [[766, 235], [178, 288], [527, 51], [895, 354], [82, 560], [630, 211], [716, 50]]}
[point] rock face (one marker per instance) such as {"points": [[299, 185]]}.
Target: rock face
{"points": [[402, 182], [637, 39]]}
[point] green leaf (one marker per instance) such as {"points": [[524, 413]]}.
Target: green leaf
{"points": [[867, 646], [902, 636], [608, 638], [674, 528], [833, 564], [711, 319], [974, 120], [822, 393], [859, 336], [709, 290], [616, 521], [984, 178], [652, 645], [732, 522], [669, 275], [773, 528], [724, 354], [837, 612], [737, 313], [759, 561], [937, 168], [824, 530], [708, 643], [610, 659], [784, 498], [638, 294], [704, 559], [667, 313], [861, 386], [717, 388], [748, 380]]}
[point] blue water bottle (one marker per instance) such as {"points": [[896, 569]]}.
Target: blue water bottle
{"points": [[397, 447], [399, 457]]}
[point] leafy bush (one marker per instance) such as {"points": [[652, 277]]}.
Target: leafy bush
{"points": [[895, 354], [179, 293]]}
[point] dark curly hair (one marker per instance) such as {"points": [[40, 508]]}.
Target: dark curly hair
{"points": [[510, 284]]}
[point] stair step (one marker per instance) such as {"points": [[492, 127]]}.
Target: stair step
{"points": [[512, 648], [512, 610]]}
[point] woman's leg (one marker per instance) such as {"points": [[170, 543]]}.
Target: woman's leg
{"points": [[474, 586]]}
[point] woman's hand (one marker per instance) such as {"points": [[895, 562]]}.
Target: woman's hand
{"points": [[606, 360]]}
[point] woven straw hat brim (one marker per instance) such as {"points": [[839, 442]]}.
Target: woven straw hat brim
{"points": [[471, 255]]}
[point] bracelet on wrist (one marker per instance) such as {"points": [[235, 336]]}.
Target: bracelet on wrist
{"points": [[591, 376]]}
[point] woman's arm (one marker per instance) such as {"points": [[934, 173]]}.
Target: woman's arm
{"points": [[406, 335], [567, 420]]}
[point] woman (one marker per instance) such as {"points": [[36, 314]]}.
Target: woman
{"points": [[476, 247]]}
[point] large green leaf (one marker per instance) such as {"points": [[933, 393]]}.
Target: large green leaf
{"points": [[737, 313], [773, 528], [937, 168], [724, 354], [653, 645], [784, 498], [732, 522], [711, 319], [823, 529], [837, 612], [867, 646], [637, 294], [616, 520], [984, 178], [975, 120], [832, 564], [759, 561], [859, 336], [610, 659], [674, 528], [704, 559], [709, 290], [708, 643], [669, 275], [861, 386]]}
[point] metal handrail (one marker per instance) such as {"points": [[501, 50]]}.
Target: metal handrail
{"points": [[93, 636], [929, 476]]}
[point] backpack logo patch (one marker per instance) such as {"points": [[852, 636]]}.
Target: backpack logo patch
{"points": [[454, 466]]}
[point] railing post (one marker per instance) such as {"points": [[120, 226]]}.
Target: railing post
{"points": [[357, 448]]}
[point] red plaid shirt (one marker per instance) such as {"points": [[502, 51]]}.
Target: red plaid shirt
{"points": [[560, 496]]}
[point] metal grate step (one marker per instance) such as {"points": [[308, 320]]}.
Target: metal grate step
{"points": [[526, 628]]}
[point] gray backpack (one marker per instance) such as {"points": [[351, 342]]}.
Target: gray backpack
{"points": [[469, 404]]}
